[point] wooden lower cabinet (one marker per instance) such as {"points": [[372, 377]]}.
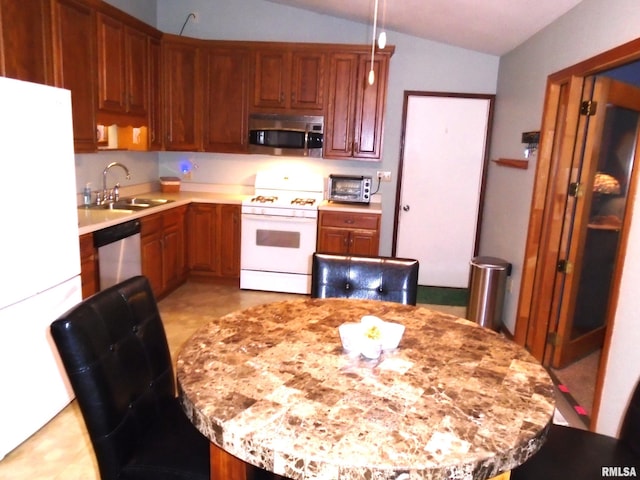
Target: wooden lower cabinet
{"points": [[348, 233], [88, 266], [163, 250], [214, 240]]}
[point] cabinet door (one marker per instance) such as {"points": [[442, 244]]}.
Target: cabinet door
{"points": [[355, 113], [307, 81], [155, 95], [182, 97], [226, 99], [272, 71], [170, 258], [340, 121], [88, 266], [230, 240], [111, 64], [137, 70], [201, 252], [151, 251], [25, 41], [363, 242], [333, 240], [173, 249], [370, 103], [75, 66]]}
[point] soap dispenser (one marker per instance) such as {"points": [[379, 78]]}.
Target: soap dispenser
{"points": [[86, 195]]}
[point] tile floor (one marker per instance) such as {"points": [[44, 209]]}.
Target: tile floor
{"points": [[61, 450]]}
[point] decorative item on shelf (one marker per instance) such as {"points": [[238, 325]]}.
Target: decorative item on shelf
{"points": [[169, 184], [605, 183], [532, 139], [370, 337]]}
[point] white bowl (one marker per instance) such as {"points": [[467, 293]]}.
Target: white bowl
{"points": [[391, 335], [351, 336]]}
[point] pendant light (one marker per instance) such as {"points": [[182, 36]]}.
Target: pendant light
{"points": [[382, 42], [382, 38], [372, 75]]}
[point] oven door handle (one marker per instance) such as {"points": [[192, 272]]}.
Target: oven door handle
{"points": [[253, 216]]}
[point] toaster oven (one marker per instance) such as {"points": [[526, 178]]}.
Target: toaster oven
{"points": [[349, 189]]}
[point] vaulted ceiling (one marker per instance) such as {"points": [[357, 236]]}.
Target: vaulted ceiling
{"points": [[490, 26]]}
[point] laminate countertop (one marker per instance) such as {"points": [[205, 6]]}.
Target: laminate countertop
{"points": [[92, 219], [272, 386]]}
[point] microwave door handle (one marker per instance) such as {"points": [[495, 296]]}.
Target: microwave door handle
{"points": [[306, 143]]}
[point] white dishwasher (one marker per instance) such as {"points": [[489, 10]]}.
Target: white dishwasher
{"points": [[118, 252]]}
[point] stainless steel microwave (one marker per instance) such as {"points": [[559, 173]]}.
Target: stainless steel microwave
{"points": [[288, 135], [349, 188]]}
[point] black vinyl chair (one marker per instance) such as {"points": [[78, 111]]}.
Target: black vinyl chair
{"points": [[570, 453], [115, 352], [376, 278]]}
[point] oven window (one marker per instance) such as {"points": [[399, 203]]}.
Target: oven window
{"points": [[277, 238]]}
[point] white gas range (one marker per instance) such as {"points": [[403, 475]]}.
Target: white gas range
{"points": [[279, 227]]}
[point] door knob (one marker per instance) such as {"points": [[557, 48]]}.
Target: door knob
{"points": [[406, 208]]}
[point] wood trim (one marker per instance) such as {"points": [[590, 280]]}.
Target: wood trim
{"points": [[312, 47], [530, 328]]}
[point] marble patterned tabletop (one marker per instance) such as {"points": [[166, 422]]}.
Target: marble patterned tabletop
{"points": [[272, 386]]}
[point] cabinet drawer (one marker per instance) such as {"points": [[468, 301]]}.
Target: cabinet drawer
{"points": [[366, 221], [173, 217], [151, 224]]}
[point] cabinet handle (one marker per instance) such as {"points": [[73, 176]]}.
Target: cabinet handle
{"points": [[349, 221]]}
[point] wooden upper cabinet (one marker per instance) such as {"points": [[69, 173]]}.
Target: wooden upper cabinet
{"points": [[355, 111], [308, 80], [155, 95], [123, 68], [182, 85], [287, 80], [25, 41], [226, 79], [73, 33]]}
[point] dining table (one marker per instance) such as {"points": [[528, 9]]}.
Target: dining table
{"points": [[272, 386]]}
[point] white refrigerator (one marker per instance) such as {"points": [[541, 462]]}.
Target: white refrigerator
{"points": [[39, 253]]}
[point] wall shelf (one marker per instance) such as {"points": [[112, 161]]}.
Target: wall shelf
{"points": [[512, 163]]}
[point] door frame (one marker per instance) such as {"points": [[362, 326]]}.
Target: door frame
{"points": [[558, 134], [485, 161]]}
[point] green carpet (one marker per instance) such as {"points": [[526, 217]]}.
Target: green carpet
{"points": [[458, 297]]}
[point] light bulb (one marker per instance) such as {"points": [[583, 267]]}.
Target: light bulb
{"points": [[372, 77], [382, 40]]}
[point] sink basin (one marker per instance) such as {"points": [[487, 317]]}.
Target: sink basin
{"points": [[132, 204]]}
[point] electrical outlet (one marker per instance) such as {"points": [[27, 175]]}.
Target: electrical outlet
{"points": [[196, 16], [384, 176]]}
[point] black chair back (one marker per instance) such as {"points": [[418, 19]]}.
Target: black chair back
{"points": [[377, 278], [630, 431], [114, 349], [575, 453]]}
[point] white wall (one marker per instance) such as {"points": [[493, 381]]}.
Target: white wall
{"points": [[590, 28]]}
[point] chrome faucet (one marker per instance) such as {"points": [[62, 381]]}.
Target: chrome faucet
{"points": [[112, 195]]}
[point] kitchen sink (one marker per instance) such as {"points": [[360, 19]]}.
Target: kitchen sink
{"points": [[131, 203]]}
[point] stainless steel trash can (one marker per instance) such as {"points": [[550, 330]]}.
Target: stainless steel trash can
{"points": [[487, 283]]}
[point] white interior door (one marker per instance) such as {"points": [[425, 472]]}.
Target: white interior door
{"points": [[442, 176]]}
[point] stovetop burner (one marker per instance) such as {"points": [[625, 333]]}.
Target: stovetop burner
{"points": [[264, 199], [303, 201]]}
